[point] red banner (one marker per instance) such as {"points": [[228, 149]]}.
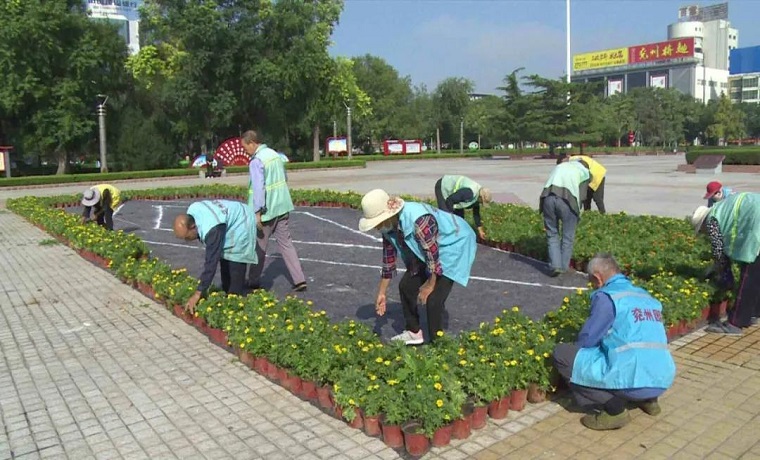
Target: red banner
{"points": [[662, 51]]}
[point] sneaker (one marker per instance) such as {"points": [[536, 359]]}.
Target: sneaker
{"points": [[602, 421], [724, 328], [300, 287], [410, 338], [650, 407], [556, 272]]}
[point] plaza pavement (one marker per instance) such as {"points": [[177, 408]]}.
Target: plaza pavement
{"points": [[92, 369]]}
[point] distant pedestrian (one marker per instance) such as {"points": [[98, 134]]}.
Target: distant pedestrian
{"points": [[437, 248], [560, 203], [227, 230], [457, 193], [269, 198], [100, 200], [716, 192], [596, 183]]}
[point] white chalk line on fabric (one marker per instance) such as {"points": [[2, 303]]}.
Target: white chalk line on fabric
{"points": [[401, 270]]}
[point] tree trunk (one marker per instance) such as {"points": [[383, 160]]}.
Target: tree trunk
{"points": [[63, 163], [438, 139], [315, 147], [479, 146]]}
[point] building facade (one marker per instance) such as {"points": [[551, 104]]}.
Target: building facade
{"points": [[694, 60], [124, 14], [745, 74]]}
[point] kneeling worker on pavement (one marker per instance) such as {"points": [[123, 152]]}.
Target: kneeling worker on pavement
{"points": [[227, 230], [621, 354], [437, 248]]}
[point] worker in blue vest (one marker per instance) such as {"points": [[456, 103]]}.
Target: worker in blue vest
{"points": [[560, 203], [621, 354], [457, 193], [228, 231], [733, 226], [437, 248], [716, 192]]}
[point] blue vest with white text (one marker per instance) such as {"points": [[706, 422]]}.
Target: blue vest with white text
{"points": [[240, 238], [634, 353], [456, 240]]}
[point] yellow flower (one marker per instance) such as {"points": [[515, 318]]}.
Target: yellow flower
{"points": [[392, 382], [530, 352], [438, 386], [462, 362], [439, 333], [515, 309], [439, 403], [378, 360], [566, 300], [352, 402]]}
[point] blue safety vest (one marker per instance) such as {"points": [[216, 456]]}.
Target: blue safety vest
{"points": [[240, 238], [634, 353], [456, 240]]}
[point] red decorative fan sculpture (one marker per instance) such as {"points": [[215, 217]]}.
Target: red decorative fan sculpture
{"points": [[232, 153]]}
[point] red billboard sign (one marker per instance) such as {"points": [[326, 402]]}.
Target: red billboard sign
{"points": [[662, 51]]}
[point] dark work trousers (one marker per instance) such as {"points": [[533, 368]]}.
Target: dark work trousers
{"points": [[409, 288], [105, 218], [598, 197], [747, 304], [442, 201], [586, 397], [233, 277]]}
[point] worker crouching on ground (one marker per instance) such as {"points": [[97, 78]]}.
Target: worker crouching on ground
{"points": [[227, 230], [437, 248], [457, 193], [621, 354], [100, 200], [733, 226]]}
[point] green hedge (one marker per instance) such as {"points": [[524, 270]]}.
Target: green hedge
{"points": [[734, 156], [130, 175]]}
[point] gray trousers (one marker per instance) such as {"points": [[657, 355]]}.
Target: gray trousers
{"points": [[586, 397], [277, 227], [556, 210]]}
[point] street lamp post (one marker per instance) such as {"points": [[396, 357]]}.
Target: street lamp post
{"points": [[461, 135], [102, 126], [348, 129]]}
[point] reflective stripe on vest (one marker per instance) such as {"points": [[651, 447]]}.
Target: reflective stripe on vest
{"points": [[638, 345]]}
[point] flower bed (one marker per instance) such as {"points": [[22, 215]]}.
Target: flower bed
{"points": [[419, 394]]}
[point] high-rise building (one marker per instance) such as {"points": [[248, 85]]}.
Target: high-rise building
{"points": [[745, 75], [123, 13]]}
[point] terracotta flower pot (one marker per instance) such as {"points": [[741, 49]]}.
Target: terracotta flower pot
{"points": [[199, 323], [517, 399], [442, 436], [417, 444], [705, 313], [479, 417], [499, 408], [324, 397], [372, 425], [358, 421], [461, 427], [281, 374], [294, 383], [536, 394], [392, 435], [272, 371], [247, 359], [260, 365], [308, 390]]}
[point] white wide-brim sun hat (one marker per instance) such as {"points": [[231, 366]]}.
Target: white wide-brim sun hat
{"points": [[90, 197], [698, 218], [378, 206]]}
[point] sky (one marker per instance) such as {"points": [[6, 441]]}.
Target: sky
{"points": [[484, 40]]}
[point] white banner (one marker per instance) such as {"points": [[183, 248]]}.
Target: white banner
{"points": [[614, 87], [658, 81]]}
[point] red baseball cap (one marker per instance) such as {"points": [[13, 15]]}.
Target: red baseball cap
{"points": [[713, 188]]}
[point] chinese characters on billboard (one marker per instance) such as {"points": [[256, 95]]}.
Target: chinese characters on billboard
{"points": [[639, 54], [662, 51]]}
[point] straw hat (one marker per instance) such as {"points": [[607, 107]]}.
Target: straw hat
{"points": [[378, 206], [486, 195], [91, 197], [699, 217]]}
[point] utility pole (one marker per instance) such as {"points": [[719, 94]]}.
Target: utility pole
{"points": [[461, 135], [102, 125], [348, 129]]}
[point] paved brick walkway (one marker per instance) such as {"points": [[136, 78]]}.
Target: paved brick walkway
{"points": [[89, 368]]}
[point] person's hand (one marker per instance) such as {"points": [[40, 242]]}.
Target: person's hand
{"points": [[192, 302], [380, 304], [425, 291], [259, 225], [481, 233]]}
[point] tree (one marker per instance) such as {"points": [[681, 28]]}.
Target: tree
{"points": [[617, 117], [55, 63], [727, 123], [517, 105], [751, 118], [484, 117], [450, 101]]}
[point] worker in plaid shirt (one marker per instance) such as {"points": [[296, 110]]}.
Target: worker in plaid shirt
{"points": [[437, 248]]}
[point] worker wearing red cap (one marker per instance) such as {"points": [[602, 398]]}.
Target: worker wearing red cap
{"points": [[716, 192]]}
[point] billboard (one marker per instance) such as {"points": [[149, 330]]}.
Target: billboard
{"points": [[661, 51], [614, 87], [600, 59], [658, 81], [744, 60]]}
